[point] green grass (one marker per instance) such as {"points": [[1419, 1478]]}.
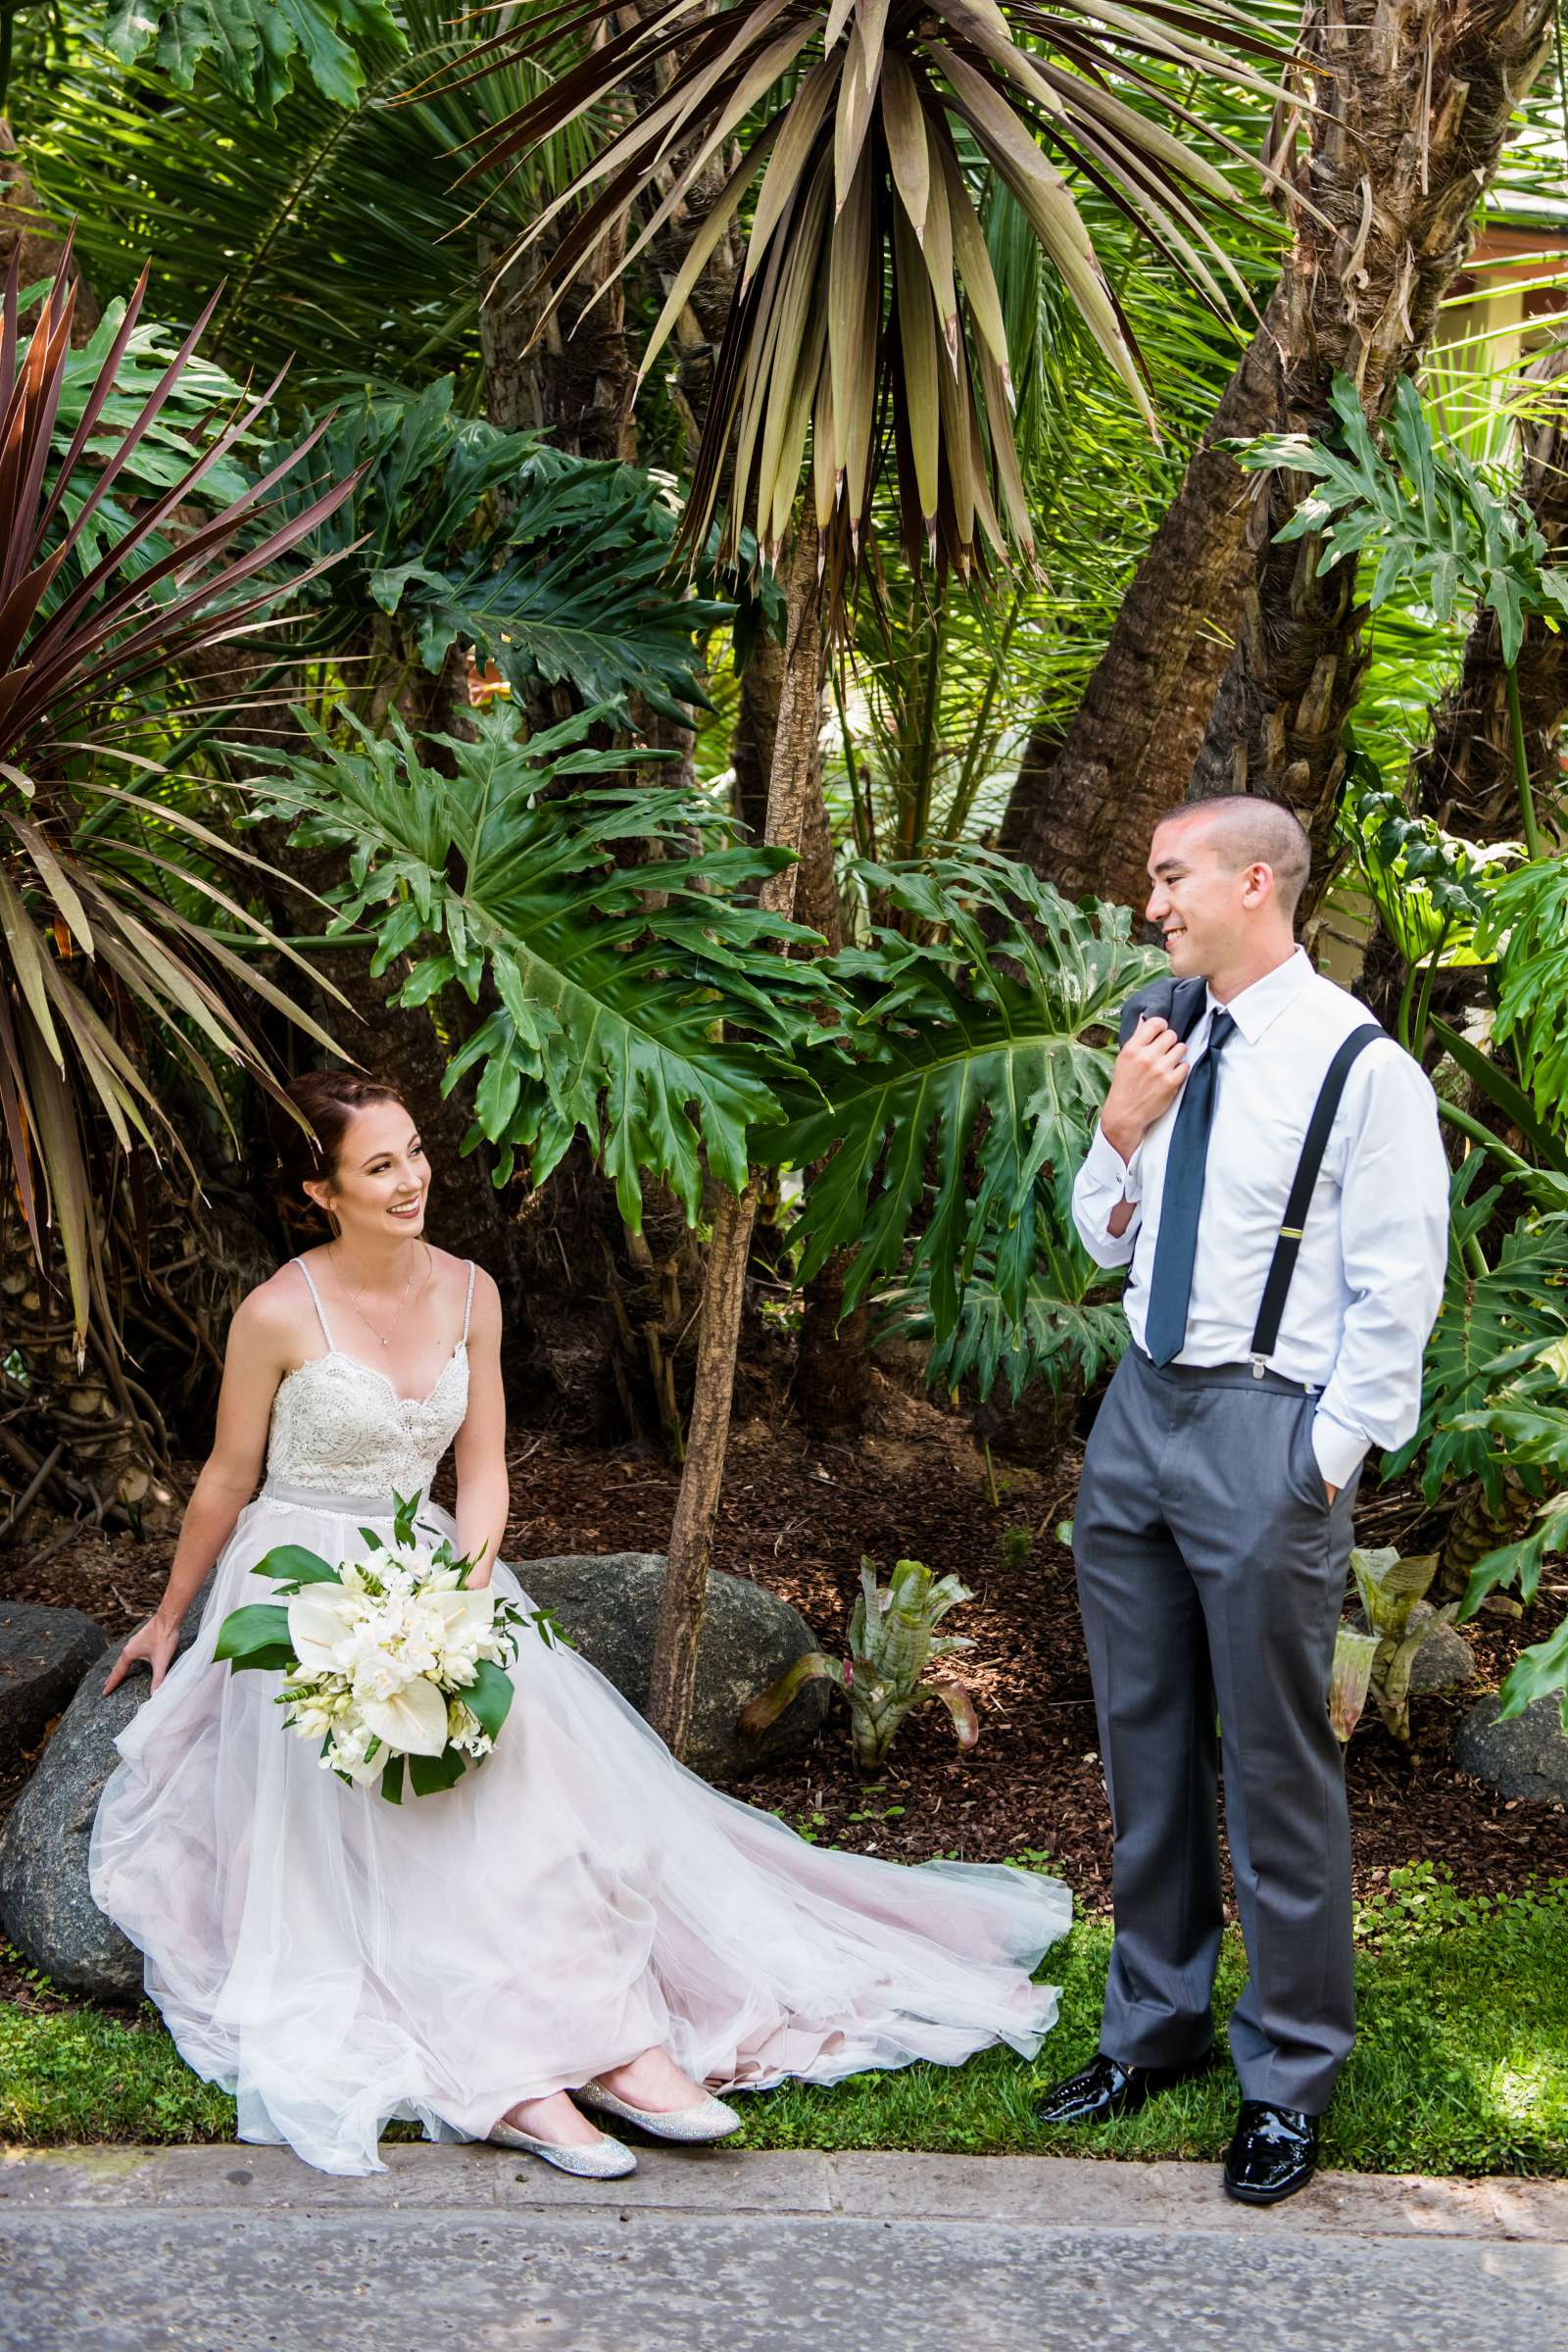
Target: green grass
{"points": [[1461, 2064]]}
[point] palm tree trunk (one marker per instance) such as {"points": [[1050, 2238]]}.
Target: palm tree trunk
{"points": [[575, 384], [1362, 300], [1416, 97], [1465, 775], [673, 1681], [1082, 810]]}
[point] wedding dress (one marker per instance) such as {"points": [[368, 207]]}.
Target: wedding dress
{"points": [[336, 1961]]}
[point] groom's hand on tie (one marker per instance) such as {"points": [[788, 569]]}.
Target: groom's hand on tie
{"points": [[1145, 1081]]}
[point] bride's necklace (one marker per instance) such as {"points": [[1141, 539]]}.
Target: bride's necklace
{"points": [[385, 1338]]}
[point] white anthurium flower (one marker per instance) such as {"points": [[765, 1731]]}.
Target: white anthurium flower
{"points": [[464, 1616], [319, 1619], [412, 1720]]}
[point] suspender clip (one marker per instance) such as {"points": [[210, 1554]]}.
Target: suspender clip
{"points": [[1258, 1367]]}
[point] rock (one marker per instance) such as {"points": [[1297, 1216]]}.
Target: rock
{"points": [[45, 1906], [609, 1606], [1526, 1757], [1445, 1660], [43, 1656]]}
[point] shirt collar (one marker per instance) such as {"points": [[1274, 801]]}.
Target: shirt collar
{"points": [[1258, 1006]]}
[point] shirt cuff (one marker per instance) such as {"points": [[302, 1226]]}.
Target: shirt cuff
{"points": [[1339, 1450], [1105, 1165]]}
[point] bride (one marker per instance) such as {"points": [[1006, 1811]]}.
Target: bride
{"points": [[578, 1924]]}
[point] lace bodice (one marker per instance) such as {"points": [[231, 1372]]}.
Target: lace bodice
{"points": [[339, 1425]]}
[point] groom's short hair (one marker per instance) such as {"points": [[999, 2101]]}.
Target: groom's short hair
{"points": [[1250, 830]]}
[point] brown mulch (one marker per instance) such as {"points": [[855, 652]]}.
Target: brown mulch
{"points": [[797, 1515]]}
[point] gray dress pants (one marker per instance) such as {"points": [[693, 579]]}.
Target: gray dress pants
{"points": [[1212, 1572]]}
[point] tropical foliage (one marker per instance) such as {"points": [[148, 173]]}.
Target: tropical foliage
{"points": [[100, 597], [609, 977], [892, 1641], [549, 568], [978, 1046], [868, 314]]}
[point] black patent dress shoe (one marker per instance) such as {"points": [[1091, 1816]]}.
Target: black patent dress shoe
{"points": [[1273, 2154], [1106, 2087]]}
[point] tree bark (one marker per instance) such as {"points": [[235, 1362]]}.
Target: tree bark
{"points": [[673, 1680], [1081, 810], [1465, 775], [575, 384], [1415, 99]]}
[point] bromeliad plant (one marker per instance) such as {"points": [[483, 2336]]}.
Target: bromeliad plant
{"points": [[893, 1640], [1379, 1657], [129, 544]]}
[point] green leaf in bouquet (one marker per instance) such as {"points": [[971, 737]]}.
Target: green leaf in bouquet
{"points": [[294, 1564], [488, 1696], [392, 1781], [428, 1775], [256, 1636]]}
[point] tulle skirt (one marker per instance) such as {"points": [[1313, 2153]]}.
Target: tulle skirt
{"points": [[336, 1962]]}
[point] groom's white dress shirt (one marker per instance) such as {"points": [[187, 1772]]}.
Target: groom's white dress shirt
{"points": [[1368, 1280]]}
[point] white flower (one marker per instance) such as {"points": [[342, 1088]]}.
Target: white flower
{"points": [[464, 1732], [319, 1619], [412, 1720]]}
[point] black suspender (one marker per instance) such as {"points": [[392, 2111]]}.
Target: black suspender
{"points": [[1288, 1247]]}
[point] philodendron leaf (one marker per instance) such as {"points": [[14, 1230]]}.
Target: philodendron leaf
{"points": [[257, 48]]}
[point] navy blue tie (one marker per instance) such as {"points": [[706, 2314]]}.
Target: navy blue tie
{"points": [[1171, 1284]]}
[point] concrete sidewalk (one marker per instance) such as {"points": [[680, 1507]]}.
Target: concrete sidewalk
{"points": [[222, 2249]]}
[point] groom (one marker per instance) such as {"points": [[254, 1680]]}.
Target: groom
{"points": [[1268, 1167]]}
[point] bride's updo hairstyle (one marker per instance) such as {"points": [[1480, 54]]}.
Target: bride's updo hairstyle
{"points": [[328, 1101]]}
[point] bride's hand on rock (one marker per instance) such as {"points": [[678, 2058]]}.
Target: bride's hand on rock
{"points": [[152, 1645]]}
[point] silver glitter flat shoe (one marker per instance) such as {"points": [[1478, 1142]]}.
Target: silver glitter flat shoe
{"points": [[607, 2161], [712, 2120]]}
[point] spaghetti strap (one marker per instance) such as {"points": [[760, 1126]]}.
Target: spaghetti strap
{"points": [[321, 1312], [468, 1306]]}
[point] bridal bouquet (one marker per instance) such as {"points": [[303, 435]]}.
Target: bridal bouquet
{"points": [[387, 1657]]}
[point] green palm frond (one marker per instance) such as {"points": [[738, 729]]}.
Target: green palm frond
{"points": [[338, 233], [612, 981], [868, 314], [953, 1062], [1525, 925]]}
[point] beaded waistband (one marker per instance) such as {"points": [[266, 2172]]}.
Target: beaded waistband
{"points": [[329, 1504]]}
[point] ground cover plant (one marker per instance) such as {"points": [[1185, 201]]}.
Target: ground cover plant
{"points": [[1460, 2065]]}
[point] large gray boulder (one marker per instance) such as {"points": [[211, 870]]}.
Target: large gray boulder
{"points": [[609, 1605], [1526, 1757], [45, 1906], [43, 1656]]}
